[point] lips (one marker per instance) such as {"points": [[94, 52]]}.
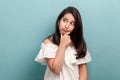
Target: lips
{"points": [[65, 30]]}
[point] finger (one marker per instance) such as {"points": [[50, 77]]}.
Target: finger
{"points": [[61, 35], [67, 33]]}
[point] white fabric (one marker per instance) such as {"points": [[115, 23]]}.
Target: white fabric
{"points": [[70, 67]]}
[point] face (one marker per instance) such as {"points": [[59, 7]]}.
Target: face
{"points": [[66, 24]]}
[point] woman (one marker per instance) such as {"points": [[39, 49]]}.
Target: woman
{"points": [[65, 51]]}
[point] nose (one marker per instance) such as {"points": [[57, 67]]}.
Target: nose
{"points": [[67, 25]]}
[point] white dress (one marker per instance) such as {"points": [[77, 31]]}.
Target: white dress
{"points": [[70, 70]]}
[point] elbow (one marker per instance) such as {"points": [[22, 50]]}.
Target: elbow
{"points": [[56, 70]]}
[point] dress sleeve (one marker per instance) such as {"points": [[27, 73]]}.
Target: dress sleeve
{"points": [[47, 51], [85, 59]]}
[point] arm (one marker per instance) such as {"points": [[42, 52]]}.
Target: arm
{"points": [[83, 75], [56, 64]]}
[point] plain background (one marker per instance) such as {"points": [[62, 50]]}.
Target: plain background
{"points": [[25, 23]]}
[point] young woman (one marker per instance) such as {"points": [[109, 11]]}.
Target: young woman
{"points": [[65, 51]]}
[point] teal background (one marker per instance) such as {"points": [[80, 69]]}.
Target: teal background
{"points": [[25, 23]]}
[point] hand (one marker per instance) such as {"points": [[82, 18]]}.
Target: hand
{"points": [[65, 39]]}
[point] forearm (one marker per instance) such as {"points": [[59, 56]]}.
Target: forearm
{"points": [[83, 75], [59, 59], [57, 63]]}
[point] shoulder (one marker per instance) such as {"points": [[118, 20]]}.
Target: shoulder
{"points": [[48, 43], [48, 40]]}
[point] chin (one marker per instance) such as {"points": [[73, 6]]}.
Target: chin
{"points": [[62, 33]]}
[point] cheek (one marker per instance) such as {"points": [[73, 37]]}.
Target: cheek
{"points": [[72, 28], [61, 25]]}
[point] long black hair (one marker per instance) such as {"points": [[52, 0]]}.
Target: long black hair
{"points": [[76, 35]]}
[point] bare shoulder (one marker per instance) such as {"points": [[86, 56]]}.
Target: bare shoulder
{"points": [[48, 40]]}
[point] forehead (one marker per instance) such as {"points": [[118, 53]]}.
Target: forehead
{"points": [[69, 16]]}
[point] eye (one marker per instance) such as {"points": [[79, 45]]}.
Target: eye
{"points": [[72, 23], [64, 20]]}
